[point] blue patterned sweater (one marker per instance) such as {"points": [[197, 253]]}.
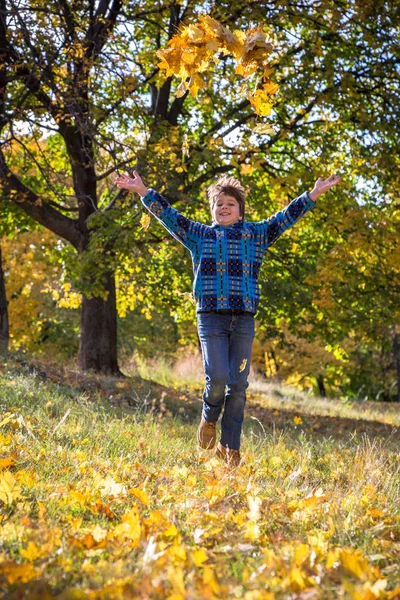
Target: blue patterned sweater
{"points": [[226, 259]]}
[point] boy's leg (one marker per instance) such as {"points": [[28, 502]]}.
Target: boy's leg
{"points": [[213, 331], [240, 346]]}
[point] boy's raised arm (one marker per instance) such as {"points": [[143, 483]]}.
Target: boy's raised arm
{"points": [[270, 229], [185, 230]]}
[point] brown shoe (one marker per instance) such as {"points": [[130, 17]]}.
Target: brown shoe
{"points": [[206, 434], [231, 457]]}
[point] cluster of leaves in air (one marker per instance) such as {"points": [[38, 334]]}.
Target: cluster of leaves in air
{"points": [[93, 505], [195, 47]]}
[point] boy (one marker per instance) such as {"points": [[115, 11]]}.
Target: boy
{"points": [[227, 257]]}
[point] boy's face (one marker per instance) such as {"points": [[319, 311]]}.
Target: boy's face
{"points": [[226, 210]]}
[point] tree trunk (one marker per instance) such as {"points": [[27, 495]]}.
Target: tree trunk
{"points": [[4, 328], [321, 386], [396, 357], [98, 348]]}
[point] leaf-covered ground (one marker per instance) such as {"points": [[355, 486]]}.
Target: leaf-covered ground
{"points": [[104, 494]]}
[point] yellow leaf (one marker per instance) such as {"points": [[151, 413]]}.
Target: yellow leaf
{"points": [[182, 89], [264, 128], [375, 513], [243, 365], [394, 594], [140, 494], [130, 526], [258, 595], [31, 552], [145, 221], [9, 418], [210, 579], [196, 83], [271, 87], [9, 490], [298, 420], [260, 102], [194, 33], [188, 57], [199, 557], [297, 580], [353, 562], [252, 532], [170, 532], [6, 462], [18, 573], [175, 576]]}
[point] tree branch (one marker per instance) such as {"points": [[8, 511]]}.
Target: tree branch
{"points": [[42, 212]]}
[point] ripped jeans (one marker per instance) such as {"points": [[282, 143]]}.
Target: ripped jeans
{"points": [[226, 342]]}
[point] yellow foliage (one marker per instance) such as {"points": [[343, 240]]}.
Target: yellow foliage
{"points": [[18, 573], [194, 48]]}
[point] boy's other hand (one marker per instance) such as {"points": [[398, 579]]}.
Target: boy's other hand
{"points": [[321, 186], [133, 184]]}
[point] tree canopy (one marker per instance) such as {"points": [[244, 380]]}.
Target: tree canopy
{"points": [[82, 95]]}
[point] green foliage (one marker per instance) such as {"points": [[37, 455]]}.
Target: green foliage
{"points": [[333, 279]]}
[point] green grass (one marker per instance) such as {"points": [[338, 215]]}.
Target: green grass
{"points": [[113, 499]]}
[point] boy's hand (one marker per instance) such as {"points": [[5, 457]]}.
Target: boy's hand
{"points": [[321, 186], [134, 184]]}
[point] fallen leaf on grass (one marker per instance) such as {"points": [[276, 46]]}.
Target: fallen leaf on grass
{"points": [[9, 489]]}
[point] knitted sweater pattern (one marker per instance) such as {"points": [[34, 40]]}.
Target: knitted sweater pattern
{"points": [[226, 259]]}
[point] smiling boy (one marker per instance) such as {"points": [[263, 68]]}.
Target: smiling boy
{"points": [[227, 258]]}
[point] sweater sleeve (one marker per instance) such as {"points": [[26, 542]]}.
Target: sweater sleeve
{"points": [[269, 230], [185, 230]]}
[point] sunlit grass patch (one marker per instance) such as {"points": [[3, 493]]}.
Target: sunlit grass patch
{"points": [[108, 501]]}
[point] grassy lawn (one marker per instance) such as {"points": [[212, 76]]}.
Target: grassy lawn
{"points": [[104, 494]]}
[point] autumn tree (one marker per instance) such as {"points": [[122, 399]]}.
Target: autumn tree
{"points": [[89, 77]]}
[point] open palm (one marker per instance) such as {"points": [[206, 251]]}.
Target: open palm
{"points": [[323, 185]]}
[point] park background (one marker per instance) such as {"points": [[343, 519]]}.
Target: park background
{"points": [[103, 492], [82, 99]]}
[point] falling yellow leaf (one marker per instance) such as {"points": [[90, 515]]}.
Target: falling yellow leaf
{"points": [[246, 169], [264, 128], [271, 87], [243, 365], [9, 490], [298, 420], [145, 221], [197, 46], [260, 101]]}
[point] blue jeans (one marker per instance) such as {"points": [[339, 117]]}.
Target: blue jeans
{"points": [[226, 343]]}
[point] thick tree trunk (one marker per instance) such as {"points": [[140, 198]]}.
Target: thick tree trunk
{"points": [[4, 328], [98, 348]]}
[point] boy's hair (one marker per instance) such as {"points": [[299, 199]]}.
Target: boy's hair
{"points": [[231, 187]]}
